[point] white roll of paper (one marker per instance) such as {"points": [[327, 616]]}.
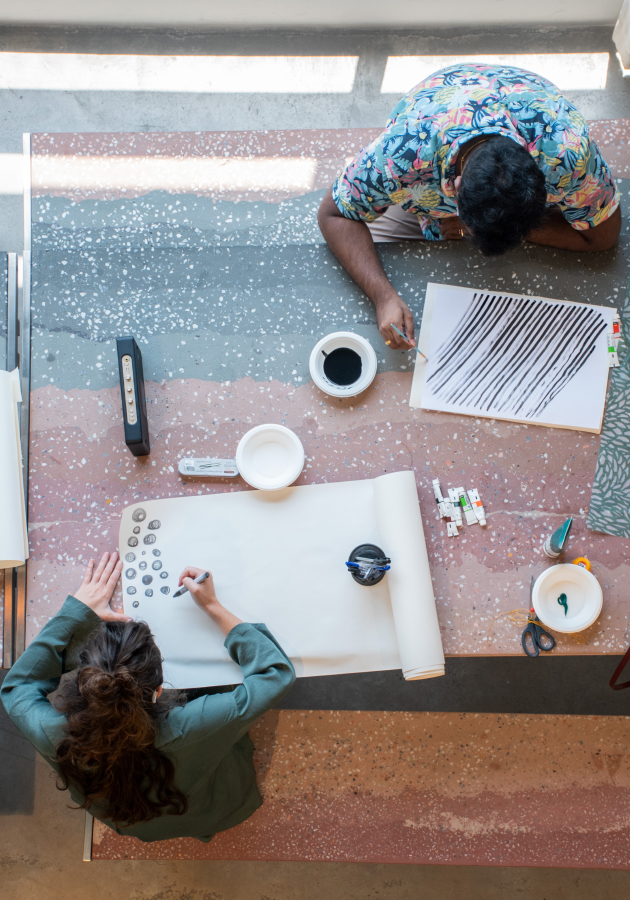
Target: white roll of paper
{"points": [[279, 557], [409, 579], [13, 531]]}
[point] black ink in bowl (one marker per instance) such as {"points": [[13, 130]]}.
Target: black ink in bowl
{"points": [[342, 366]]}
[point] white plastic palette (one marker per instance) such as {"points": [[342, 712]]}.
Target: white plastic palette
{"points": [[270, 457], [584, 598]]}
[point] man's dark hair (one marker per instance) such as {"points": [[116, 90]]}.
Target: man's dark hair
{"points": [[502, 195]]}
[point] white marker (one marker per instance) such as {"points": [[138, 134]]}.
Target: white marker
{"points": [[437, 491], [477, 505], [453, 496], [471, 518], [451, 529]]}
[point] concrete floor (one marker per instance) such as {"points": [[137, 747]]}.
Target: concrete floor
{"points": [[42, 839]]}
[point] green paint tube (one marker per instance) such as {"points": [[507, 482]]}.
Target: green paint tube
{"points": [[554, 545]]}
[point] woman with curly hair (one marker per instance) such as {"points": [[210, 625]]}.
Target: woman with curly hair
{"points": [[144, 764]]}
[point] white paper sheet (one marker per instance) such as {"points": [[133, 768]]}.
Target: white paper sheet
{"points": [[512, 357], [13, 531], [278, 558]]}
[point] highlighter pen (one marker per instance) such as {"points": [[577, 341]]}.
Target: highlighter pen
{"points": [[198, 580], [405, 338]]}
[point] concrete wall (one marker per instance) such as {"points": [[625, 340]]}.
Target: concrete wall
{"points": [[307, 13]]}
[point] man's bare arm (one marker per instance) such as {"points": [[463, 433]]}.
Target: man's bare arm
{"points": [[555, 231], [352, 244]]}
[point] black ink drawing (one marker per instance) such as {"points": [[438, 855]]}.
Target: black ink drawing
{"points": [[510, 356]]}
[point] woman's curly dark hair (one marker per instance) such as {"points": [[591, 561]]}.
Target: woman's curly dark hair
{"points": [[502, 195], [109, 753]]}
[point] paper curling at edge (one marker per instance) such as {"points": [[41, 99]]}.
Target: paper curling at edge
{"points": [[13, 529], [409, 579]]}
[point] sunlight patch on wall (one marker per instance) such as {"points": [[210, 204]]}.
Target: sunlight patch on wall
{"points": [[172, 74], [568, 71]]}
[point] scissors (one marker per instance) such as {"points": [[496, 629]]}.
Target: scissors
{"points": [[535, 638]]}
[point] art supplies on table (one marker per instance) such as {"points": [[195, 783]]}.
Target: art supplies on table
{"points": [[460, 501], [521, 359], [134, 404], [477, 505], [13, 529], [567, 597], [208, 467], [555, 543], [270, 457], [367, 564], [535, 638], [256, 543], [343, 364]]}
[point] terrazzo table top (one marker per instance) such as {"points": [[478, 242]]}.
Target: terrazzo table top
{"points": [[206, 248]]}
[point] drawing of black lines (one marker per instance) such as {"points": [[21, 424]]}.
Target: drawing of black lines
{"points": [[511, 356]]}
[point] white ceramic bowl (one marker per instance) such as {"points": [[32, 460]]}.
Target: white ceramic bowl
{"points": [[270, 457], [332, 342], [584, 598]]}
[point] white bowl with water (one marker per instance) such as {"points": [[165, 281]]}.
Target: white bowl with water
{"points": [[270, 457]]}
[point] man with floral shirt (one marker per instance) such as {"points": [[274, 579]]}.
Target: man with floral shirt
{"points": [[489, 153]]}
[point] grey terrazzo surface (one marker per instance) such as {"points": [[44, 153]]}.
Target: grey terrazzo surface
{"points": [[239, 307]]}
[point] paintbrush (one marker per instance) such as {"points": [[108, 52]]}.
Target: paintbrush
{"points": [[405, 338]]}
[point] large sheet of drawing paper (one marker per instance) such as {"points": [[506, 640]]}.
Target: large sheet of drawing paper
{"points": [[278, 557], [13, 531], [518, 358]]}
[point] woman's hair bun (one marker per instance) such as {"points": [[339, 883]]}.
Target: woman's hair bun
{"points": [[98, 686]]}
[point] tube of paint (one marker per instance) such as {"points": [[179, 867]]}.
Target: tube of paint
{"points": [[446, 509], [471, 518], [554, 545], [451, 529], [477, 505], [453, 496], [437, 491]]}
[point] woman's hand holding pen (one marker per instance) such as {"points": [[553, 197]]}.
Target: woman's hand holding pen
{"points": [[205, 597]]}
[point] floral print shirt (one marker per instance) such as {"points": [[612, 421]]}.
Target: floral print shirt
{"points": [[412, 162]]}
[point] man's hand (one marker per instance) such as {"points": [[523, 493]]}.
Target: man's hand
{"points": [[452, 228], [395, 311], [205, 597], [99, 583]]}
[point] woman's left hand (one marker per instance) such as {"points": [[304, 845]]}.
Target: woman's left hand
{"points": [[99, 583]]}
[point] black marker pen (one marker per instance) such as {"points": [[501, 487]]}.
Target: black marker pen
{"points": [[198, 580]]}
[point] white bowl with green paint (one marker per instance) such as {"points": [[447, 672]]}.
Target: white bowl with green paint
{"points": [[584, 598]]}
